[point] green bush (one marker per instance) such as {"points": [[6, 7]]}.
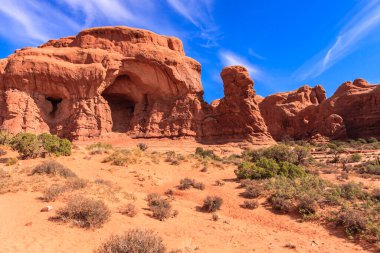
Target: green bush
{"points": [[5, 138], [206, 153], [354, 158], [290, 170], [28, 145], [371, 167], [32, 146], [133, 241], [352, 191], [267, 168]]}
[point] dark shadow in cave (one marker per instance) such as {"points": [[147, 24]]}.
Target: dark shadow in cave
{"points": [[122, 109], [54, 102]]}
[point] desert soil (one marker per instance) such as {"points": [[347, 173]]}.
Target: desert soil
{"points": [[25, 229]]}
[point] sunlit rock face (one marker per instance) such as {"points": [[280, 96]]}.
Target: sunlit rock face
{"points": [[352, 112], [133, 81], [105, 79]]}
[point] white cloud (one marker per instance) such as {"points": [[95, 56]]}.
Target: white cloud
{"points": [[109, 9], [349, 38], [33, 19], [199, 13], [230, 59]]}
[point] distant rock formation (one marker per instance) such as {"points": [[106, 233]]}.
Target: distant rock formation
{"points": [[235, 117], [120, 79], [352, 112]]}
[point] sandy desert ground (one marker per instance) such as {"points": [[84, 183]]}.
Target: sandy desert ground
{"points": [[24, 228]]}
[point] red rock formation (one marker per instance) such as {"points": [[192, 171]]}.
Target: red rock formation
{"points": [[352, 112], [235, 117], [282, 111], [104, 79], [120, 79]]}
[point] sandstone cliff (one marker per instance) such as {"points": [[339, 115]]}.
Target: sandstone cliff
{"points": [[120, 79]]}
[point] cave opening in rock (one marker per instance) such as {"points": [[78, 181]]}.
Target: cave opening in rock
{"points": [[55, 101], [122, 109]]}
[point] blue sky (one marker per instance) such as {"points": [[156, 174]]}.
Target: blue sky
{"points": [[283, 44]]}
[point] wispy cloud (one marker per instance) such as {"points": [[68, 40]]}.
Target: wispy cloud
{"points": [[231, 59], [199, 13], [359, 27], [109, 9], [33, 19], [256, 55]]}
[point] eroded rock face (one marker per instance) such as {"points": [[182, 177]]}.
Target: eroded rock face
{"points": [[235, 117], [352, 112], [105, 79], [120, 79], [282, 111]]}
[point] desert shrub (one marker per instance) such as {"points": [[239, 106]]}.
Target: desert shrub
{"points": [[142, 146], [308, 205], [362, 141], [169, 192], [152, 199], [161, 209], [52, 144], [252, 191], [215, 217], [352, 191], [279, 153], [11, 161], [133, 241], [2, 152], [281, 203], [129, 210], [212, 203], [376, 194], [5, 138], [173, 158], [51, 193], [186, 183], [75, 183], [354, 158], [85, 212], [199, 185], [53, 168], [290, 170], [267, 168], [353, 221], [371, 167], [250, 204], [219, 183], [27, 145], [101, 181], [372, 140], [99, 148], [206, 153], [123, 157], [302, 155]]}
